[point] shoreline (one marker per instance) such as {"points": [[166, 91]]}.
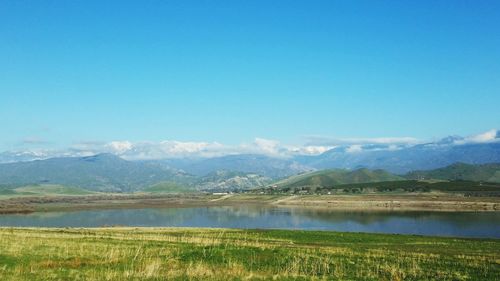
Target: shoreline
{"points": [[364, 202]]}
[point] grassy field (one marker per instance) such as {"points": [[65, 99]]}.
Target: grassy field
{"points": [[42, 190], [223, 254], [168, 187]]}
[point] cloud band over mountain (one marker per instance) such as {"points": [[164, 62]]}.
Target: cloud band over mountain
{"points": [[314, 145]]}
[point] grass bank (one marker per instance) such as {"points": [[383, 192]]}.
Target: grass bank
{"points": [[229, 254]]}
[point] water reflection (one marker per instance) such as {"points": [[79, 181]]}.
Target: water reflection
{"points": [[486, 224]]}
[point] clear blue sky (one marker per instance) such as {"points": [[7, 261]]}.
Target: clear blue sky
{"points": [[230, 71]]}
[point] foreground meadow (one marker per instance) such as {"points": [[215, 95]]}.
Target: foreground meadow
{"points": [[230, 254]]}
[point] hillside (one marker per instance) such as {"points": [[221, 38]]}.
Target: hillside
{"points": [[110, 173], [245, 163], [231, 181], [461, 171], [103, 172], [328, 178], [43, 190]]}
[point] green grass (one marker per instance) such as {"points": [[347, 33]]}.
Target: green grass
{"points": [[43, 190], [7, 192], [230, 254], [168, 187], [51, 189]]}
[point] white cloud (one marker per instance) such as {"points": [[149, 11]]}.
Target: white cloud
{"points": [[313, 149], [329, 141], [147, 150], [355, 148], [178, 149], [267, 146], [171, 149], [393, 147], [486, 137], [307, 149], [119, 146], [489, 136]]}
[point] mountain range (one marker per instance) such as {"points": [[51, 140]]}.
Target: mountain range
{"points": [[395, 158], [398, 160], [103, 172], [109, 172], [272, 167], [402, 160]]}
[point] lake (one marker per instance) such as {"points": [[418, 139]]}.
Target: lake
{"points": [[460, 224]]}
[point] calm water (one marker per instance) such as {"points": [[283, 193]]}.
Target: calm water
{"points": [[485, 224]]}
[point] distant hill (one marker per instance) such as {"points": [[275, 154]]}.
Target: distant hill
{"points": [[102, 172], [394, 158], [328, 178], [402, 160], [110, 173], [245, 163], [461, 171], [230, 181]]}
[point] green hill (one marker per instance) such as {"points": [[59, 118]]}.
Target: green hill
{"points": [[43, 190], [51, 189], [328, 178], [461, 171], [168, 187], [102, 172]]}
